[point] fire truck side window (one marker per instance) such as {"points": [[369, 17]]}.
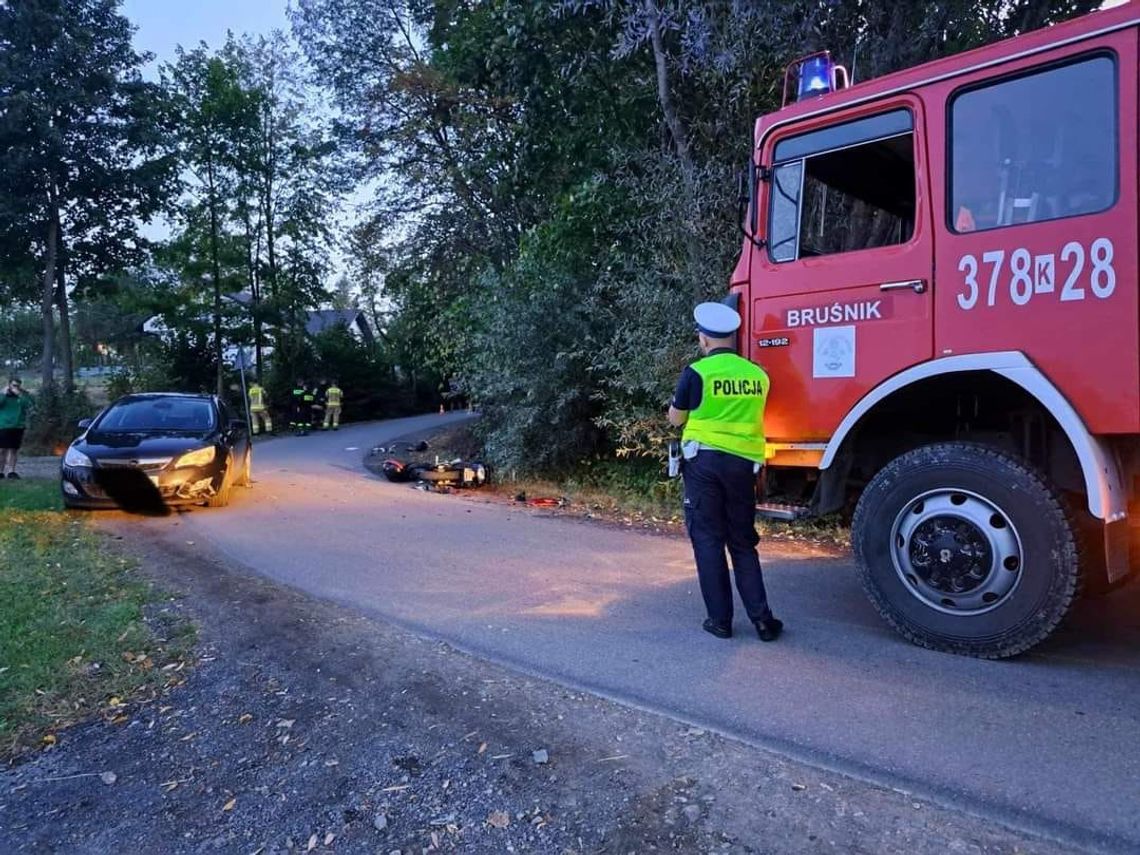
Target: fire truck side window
{"points": [[849, 187], [1037, 147]]}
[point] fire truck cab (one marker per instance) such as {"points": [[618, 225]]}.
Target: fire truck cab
{"points": [[939, 274]]}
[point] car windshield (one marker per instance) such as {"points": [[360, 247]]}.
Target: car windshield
{"points": [[173, 415]]}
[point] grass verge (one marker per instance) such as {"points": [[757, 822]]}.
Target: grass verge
{"points": [[75, 639]]}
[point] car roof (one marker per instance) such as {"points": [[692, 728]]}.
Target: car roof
{"points": [[143, 396]]}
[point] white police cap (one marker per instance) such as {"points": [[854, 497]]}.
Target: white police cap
{"points": [[716, 320]]}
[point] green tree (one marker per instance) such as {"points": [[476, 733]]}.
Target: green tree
{"points": [[217, 116], [82, 157], [554, 182], [289, 182]]}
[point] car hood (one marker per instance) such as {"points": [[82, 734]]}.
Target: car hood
{"points": [[115, 445]]}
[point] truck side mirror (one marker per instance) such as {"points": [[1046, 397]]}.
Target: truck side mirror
{"points": [[83, 424]]}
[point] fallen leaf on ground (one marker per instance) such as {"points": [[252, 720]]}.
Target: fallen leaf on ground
{"points": [[498, 819], [799, 787], [482, 747], [329, 838], [286, 723], [108, 778], [228, 806], [312, 844], [246, 718], [50, 739]]}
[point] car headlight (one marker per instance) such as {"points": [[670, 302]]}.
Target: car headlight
{"points": [[76, 459], [201, 457]]}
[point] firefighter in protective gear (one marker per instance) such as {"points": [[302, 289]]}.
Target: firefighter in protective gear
{"points": [[258, 411], [299, 422], [333, 399], [720, 402], [312, 408]]}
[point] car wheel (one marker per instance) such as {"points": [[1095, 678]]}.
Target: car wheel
{"points": [[246, 477], [966, 549], [222, 498]]}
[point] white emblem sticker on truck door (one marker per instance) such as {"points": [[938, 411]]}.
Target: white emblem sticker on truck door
{"points": [[833, 352], [1019, 276]]}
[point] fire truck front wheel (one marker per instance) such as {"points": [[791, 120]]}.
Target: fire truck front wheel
{"points": [[966, 549]]}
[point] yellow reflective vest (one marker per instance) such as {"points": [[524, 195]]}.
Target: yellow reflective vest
{"points": [[256, 398], [333, 396], [731, 413]]}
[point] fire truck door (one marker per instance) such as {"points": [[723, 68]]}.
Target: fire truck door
{"points": [[842, 293]]}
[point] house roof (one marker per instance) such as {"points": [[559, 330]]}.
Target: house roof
{"points": [[327, 319]]}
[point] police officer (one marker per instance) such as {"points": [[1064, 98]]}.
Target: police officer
{"points": [[258, 411], [720, 402]]}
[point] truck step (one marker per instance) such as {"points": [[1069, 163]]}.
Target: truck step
{"points": [[785, 513]]}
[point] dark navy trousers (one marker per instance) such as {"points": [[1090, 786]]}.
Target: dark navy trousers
{"points": [[720, 514]]}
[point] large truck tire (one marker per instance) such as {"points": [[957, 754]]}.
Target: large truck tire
{"points": [[966, 549]]}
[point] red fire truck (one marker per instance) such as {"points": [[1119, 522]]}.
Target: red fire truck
{"points": [[939, 274]]}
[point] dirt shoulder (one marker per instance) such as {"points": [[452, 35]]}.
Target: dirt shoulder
{"points": [[306, 726]]}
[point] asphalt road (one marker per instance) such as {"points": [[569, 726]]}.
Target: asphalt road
{"points": [[1049, 742]]}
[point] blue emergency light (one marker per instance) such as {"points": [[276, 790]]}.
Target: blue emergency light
{"points": [[813, 75]]}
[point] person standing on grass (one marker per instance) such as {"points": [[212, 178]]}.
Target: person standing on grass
{"points": [[14, 407]]}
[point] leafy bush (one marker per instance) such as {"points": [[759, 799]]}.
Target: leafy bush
{"points": [[52, 424], [120, 383]]}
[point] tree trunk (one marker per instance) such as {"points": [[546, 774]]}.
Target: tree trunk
{"points": [[217, 273], [672, 119], [65, 352], [269, 170], [51, 250], [252, 256]]}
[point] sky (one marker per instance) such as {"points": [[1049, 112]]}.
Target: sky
{"points": [[162, 25]]}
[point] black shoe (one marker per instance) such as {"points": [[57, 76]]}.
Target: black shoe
{"points": [[13, 475], [769, 629], [719, 628]]}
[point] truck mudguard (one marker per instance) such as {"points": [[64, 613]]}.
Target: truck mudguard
{"points": [[1107, 496]]}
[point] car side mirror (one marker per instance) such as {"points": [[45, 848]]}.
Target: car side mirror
{"points": [[83, 424]]}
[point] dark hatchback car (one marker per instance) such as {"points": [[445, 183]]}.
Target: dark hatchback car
{"points": [[157, 450]]}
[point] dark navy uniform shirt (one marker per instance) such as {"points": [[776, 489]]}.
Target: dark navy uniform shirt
{"points": [[690, 388]]}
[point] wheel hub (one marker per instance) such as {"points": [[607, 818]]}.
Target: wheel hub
{"points": [[957, 552], [950, 554]]}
